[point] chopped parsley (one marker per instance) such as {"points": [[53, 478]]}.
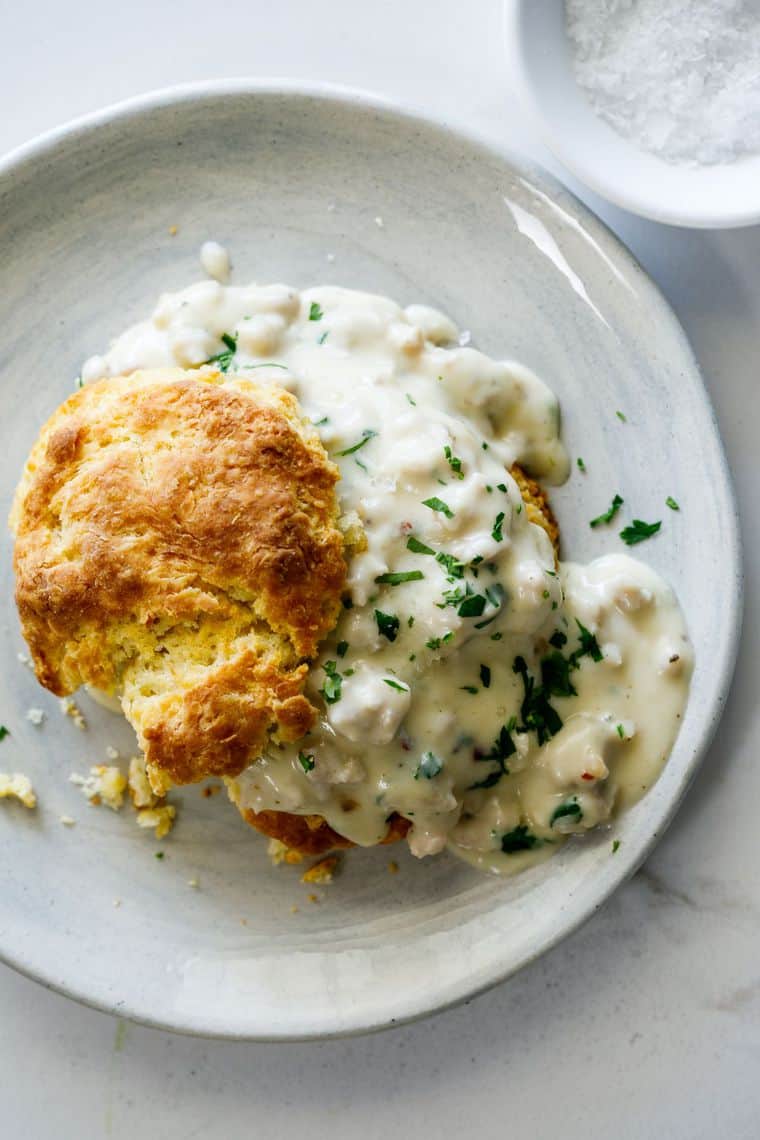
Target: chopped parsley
{"points": [[331, 690], [638, 531], [581, 464], [315, 312], [4, 732], [396, 577], [224, 359], [472, 605], [502, 749], [437, 642], [519, 839], [485, 676], [411, 401], [623, 419], [410, 620], [367, 435], [538, 715], [589, 646], [496, 533], [430, 765], [436, 504], [396, 685], [158, 854], [387, 625], [571, 810], [341, 648], [558, 639], [323, 337], [306, 760], [418, 547], [454, 463], [670, 502], [454, 568], [324, 420], [469, 689], [608, 515], [501, 487], [620, 731], [615, 846]]}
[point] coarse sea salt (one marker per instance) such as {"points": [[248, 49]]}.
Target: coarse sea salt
{"points": [[680, 78]]}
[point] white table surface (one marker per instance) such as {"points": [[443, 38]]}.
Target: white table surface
{"points": [[646, 1023]]}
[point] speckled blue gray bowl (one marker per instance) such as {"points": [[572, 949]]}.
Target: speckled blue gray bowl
{"points": [[284, 175]]}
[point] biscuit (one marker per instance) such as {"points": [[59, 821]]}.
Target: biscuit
{"points": [[177, 543]]}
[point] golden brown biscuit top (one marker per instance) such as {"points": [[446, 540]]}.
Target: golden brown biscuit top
{"points": [[177, 539]]}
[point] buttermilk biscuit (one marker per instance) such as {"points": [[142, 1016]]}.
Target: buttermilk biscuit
{"points": [[311, 834], [177, 543]]}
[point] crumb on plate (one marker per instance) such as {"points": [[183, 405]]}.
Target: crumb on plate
{"points": [[322, 872], [17, 786], [35, 716], [160, 818], [105, 784], [69, 707]]}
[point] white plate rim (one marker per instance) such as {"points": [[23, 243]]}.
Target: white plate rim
{"points": [[630, 858]]}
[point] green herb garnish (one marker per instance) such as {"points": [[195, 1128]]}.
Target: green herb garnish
{"points": [[331, 690], [620, 731], [342, 648], [323, 337], [519, 839], [496, 533], [570, 810], [411, 401], [387, 625], [670, 502], [158, 854], [581, 464], [485, 676], [367, 435], [621, 417], [224, 359], [315, 312], [454, 463], [608, 515], [306, 760], [437, 504], [4, 732], [395, 685], [396, 577], [615, 846], [638, 531], [418, 547]]}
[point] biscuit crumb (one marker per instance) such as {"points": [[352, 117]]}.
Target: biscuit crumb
{"points": [[67, 821], [313, 898], [104, 785], [112, 753], [117, 902], [173, 231], [210, 790], [17, 786], [322, 872], [279, 852], [69, 707], [379, 223], [35, 716], [160, 818], [25, 660], [294, 910], [193, 883], [140, 791], [393, 867]]}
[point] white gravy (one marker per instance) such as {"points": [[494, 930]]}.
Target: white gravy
{"points": [[456, 601]]}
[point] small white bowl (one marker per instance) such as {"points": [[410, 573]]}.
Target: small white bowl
{"points": [[540, 63]]}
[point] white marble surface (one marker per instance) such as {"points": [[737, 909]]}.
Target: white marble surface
{"points": [[644, 1024]]}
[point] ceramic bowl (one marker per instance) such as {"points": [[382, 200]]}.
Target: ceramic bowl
{"points": [[539, 63], [284, 175]]}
